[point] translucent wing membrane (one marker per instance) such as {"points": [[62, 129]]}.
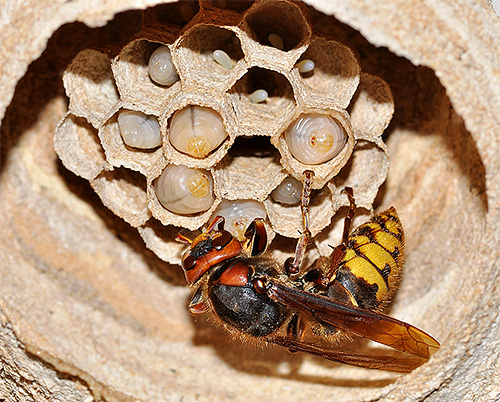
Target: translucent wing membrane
{"points": [[399, 363], [365, 323]]}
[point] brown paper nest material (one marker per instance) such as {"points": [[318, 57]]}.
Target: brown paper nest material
{"points": [[89, 313], [99, 85]]}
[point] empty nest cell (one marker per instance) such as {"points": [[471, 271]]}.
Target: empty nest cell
{"points": [[78, 146], [90, 79], [123, 192]]}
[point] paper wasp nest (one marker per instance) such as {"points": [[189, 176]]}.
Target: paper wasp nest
{"points": [[214, 103]]}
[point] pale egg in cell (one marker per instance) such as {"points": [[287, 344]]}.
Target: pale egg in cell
{"points": [[139, 130], [288, 192], [161, 68], [305, 66], [185, 191], [275, 41], [196, 131], [259, 96], [239, 214], [221, 57], [315, 138]]}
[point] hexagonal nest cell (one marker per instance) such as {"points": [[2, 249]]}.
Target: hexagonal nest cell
{"points": [[193, 109]]}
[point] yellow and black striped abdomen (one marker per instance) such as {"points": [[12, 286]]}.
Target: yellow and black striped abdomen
{"points": [[371, 268]]}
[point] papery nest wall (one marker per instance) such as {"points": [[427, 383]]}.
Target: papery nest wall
{"points": [[87, 307], [115, 93]]}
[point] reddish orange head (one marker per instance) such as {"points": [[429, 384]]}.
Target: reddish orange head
{"points": [[207, 250]]}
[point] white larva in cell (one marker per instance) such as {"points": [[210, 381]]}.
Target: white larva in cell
{"points": [[288, 192], [184, 191], [196, 131], [315, 138], [258, 96], [160, 66], [275, 41], [305, 66], [221, 57], [139, 130], [239, 214]]}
